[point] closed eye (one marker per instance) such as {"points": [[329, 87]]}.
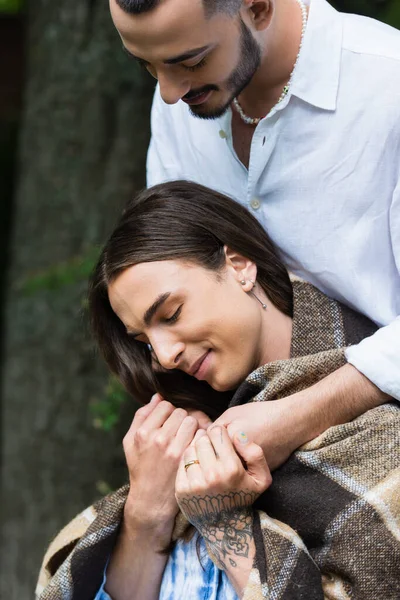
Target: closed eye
{"points": [[174, 317], [198, 65]]}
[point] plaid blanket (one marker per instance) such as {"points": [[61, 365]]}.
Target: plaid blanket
{"points": [[329, 525]]}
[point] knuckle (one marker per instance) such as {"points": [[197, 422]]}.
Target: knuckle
{"points": [[181, 413], [160, 441], [257, 452], [233, 472], [141, 411], [173, 455], [212, 477], [181, 488], [140, 436], [266, 480], [190, 421], [125, 444], [197, 488]]}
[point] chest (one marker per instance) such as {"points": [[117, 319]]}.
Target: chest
{"points": [[242, 135]]}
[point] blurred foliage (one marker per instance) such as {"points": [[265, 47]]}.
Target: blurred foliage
{"points": [[61, 274], [11, 6], [387, 11], [106, 410]]}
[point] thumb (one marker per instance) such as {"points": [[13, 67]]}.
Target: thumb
{"points": [[253, 457]]}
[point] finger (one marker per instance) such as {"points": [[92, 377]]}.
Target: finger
{"points": [[181, 479], [222, 444], [203, 420], [226, 418], [189, 453], [192, 469], [184, 435], [142, 413], [173, 423], [158, 416], [199, 433], [254, 459], [206, 454]]}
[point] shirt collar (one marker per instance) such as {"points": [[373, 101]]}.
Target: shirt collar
{"points": [[316, 80]]}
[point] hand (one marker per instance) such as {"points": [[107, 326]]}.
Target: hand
{"points": [[274, 425], [216, 493], [153, 447], [281, 426]]}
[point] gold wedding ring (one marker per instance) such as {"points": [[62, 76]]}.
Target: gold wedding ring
{"points": [[190, 463]]}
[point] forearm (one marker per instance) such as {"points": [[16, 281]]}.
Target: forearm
{"points": [[338, 398], [136, 566], [233, 549], [227, 531]]}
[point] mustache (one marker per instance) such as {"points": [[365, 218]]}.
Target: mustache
{"points": [[204, 89]]}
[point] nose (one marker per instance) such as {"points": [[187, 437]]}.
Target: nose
{"points": [[168, 351], [172, 88]]}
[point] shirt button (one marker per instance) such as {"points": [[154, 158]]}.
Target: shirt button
{"points": [[255, 204], [222, 134]]}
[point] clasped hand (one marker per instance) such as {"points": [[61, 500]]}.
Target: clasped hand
{"points": [[226, 476]]}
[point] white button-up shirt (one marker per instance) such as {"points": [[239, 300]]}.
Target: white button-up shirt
{"points": [[324, 172]]}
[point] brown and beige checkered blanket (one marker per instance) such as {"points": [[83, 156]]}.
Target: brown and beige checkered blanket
{"points": [[329, 525]]}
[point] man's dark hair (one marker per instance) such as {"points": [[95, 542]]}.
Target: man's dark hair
{"points": [[135, 7]]}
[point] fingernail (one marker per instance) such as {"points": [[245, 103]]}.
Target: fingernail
{"points": [[242, 437], [154, 398]]}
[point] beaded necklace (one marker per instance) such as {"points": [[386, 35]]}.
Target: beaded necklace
{"points": [[255, 121]]}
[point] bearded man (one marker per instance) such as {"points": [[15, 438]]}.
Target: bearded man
{"points": [[294, 110]]}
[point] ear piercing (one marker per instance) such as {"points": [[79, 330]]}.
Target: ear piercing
{"points": [[258, 299], [243, 282]]}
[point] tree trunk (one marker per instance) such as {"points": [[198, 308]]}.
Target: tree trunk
{"points": [[82, 154]]}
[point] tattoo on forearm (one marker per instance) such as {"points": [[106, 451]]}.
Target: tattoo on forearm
{"points": [[225, 521]]}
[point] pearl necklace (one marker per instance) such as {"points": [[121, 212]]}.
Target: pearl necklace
{"points": [[285, 91]]}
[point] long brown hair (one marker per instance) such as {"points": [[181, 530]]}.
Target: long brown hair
{"points": [[177, 221]]}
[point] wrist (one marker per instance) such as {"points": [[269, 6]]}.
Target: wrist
{"points": [[153, 532]]}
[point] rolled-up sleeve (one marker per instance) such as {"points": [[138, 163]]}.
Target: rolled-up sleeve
{"points": [[378, 357]]}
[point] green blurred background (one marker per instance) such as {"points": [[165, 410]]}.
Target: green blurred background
{"points": [[74, 129]]}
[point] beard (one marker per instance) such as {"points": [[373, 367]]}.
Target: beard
{"points": [[249, 62]]}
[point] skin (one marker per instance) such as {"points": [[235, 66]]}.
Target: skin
{"points": [[175, 27], [154, 444], [216, 313], [206, 313], [167, 32], [219, 315], [161, 440], [216, 496]]}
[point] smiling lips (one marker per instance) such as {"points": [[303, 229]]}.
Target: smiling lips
{"points": [[196, 368], [198, 99]]}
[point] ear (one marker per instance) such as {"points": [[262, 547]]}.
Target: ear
{"points": [[260, 12], [242, 268]]}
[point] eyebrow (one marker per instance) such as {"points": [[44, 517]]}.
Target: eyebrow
{"points": [[150, 312], [175, 59]]}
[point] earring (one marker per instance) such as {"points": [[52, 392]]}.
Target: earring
{"points": [[243, 282], [256, 297]]}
